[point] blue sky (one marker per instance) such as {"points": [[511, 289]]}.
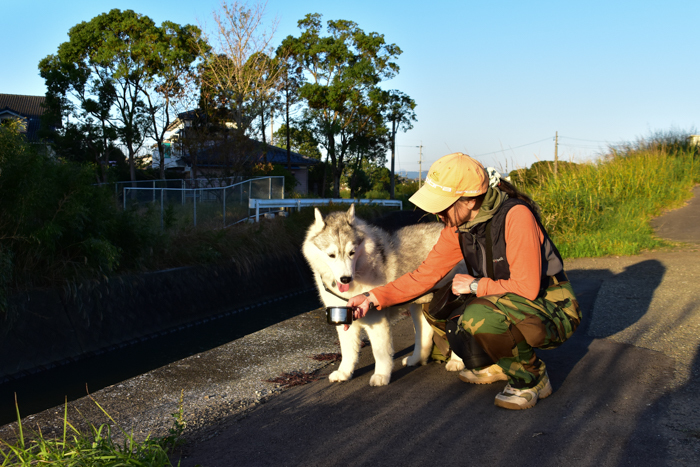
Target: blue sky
{"points": [[492, 79]]}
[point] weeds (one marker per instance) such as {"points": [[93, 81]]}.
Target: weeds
{"points": [[604, 208], [93, 447]]}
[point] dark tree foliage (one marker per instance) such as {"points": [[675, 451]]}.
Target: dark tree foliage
{"points": [[342, 73], [398, 109], [115, 79]]}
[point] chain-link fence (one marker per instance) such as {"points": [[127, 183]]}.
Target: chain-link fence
{"points": [[179, 183], [213, 206]]}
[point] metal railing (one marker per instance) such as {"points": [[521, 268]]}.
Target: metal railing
{"points": [[218, 206], [180, 183], [272, 207]]}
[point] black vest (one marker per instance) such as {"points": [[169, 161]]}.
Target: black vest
{"points": [[484, 248]]}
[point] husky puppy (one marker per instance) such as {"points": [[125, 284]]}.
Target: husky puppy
{"points": [[349, 257]]}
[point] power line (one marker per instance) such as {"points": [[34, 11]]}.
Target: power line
{"points": [[589, 140], [581, 146], [517, 147]]}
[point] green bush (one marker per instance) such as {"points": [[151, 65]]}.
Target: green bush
{"points": [[55, 224], [376, 194], [404, 189], [539, 172]]}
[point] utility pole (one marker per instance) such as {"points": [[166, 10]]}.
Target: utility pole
{"points": [[556, 153], [420, 166]]}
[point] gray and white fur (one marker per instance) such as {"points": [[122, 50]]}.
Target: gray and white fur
{"points": [[349, 257]]}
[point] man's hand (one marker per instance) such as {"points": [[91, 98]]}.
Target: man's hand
{"points": [[360, 305], [460, 284]]}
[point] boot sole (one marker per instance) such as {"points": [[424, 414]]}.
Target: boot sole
{"points": [[543, 394]]}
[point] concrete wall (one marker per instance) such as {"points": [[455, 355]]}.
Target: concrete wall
{"points": [[48, 327]]}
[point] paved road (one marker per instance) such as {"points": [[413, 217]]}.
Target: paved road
{"points": [[624, 388]]}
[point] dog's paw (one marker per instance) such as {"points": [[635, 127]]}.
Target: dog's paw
{"points": [[454, 365], [379, 380], [338, 376], [412, 360]]}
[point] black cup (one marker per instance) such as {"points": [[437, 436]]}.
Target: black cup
{"points": [[339, 315]]}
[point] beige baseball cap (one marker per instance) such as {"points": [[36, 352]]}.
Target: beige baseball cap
{"points": [[448, 179]]}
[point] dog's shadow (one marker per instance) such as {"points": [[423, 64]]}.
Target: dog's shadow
{"points": [[399, 370]]}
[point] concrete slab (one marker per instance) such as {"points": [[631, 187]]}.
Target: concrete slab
{"points": [[681, 225], [604, 399]]}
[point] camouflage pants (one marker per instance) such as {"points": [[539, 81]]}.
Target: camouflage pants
{"points": [[508, 327]]}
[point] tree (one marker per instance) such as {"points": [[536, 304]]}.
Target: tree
{"points": [[399, 111], [173, 87], [292, 80], [86, 134], [342, 72], [265, 91], [297, 139], [108, 74], [238, 71], [367, 143]]}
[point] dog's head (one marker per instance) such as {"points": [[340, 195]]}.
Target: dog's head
{"points": [[337, 242]]}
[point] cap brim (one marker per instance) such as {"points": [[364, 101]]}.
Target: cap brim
{"points": [[430, 202]]}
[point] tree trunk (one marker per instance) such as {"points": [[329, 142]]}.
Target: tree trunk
{"points": [[132, 165], [289, 149], [104, 163], [353, 181], [161, 151], [325, 176], [262, 123], [393, 157]]}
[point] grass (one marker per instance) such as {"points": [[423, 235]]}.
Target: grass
{"points": [[246, 245], [93, 447], [604, 208]]}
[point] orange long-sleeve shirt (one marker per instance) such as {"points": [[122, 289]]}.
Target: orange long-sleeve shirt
{"points": [[524, 239]]}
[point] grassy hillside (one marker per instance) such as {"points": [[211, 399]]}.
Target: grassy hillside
{"points": [[604, 207]]}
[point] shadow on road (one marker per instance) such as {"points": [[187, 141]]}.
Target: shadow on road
{"points": [[606, 396]]}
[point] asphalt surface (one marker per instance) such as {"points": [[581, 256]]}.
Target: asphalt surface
{"points": [[624, 388]]}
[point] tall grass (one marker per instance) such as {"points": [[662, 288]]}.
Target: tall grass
{"points": [[604, 208], [92, 447]]}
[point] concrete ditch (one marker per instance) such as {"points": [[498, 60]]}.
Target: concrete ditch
{"points": [[50, 327]]}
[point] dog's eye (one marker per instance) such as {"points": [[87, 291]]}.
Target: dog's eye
{"points": [[332, 255], [351, 253]]}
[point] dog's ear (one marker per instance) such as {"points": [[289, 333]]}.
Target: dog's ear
{"points": [[319, 219], [351, 214]]}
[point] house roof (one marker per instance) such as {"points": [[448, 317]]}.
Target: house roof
{"points": [[29, 108], [211, 157], [277, 155]]}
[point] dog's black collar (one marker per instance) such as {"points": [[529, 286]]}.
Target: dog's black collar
{"points": [[346, 299]]}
